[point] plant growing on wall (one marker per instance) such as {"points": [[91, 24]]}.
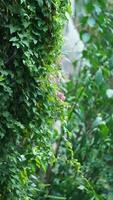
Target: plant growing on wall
{"points": [[30, 41]]}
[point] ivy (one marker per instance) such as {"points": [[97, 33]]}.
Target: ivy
{"points": [[30, 42]]}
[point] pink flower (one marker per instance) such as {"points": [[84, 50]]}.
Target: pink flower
{"points": [[61, 96]]}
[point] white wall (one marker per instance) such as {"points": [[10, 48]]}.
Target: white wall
{"points": [[73, 46]]}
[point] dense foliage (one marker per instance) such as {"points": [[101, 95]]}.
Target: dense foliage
{"points": [[90, 96], [83, 170], [39, 160], [94, 111], [30, 38]]}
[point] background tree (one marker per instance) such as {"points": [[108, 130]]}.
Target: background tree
{"points": [[87, 131]]}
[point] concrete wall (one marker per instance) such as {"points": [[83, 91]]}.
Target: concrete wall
{"points": [[73, 46]]}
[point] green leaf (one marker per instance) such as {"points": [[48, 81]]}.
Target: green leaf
{"points": [[40, 2], [104, 130], [85, 37], [81, 187], [109, 93], [13, 39], [1, 78], [91, 22], [23, 1], [97, 9], [99, 77], [97, 121], [13, 29]]}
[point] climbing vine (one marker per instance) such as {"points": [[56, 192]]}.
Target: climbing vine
{"points": [[30, 40]]}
